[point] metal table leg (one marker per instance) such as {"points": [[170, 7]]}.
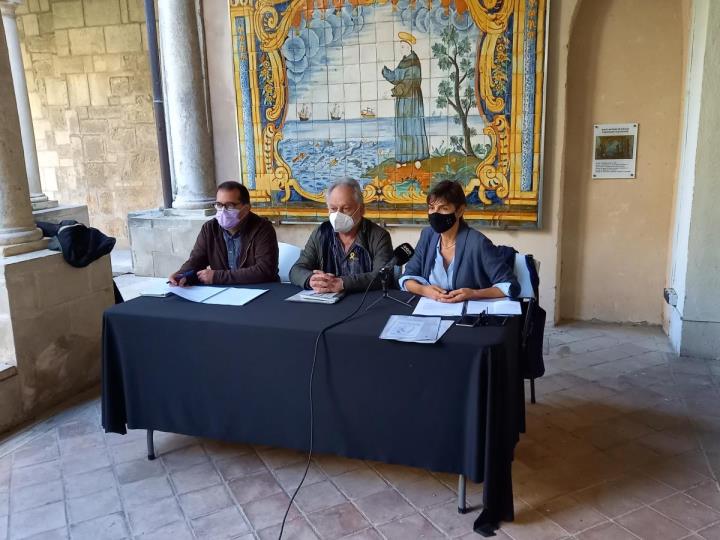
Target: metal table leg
{"points": [[150, 445], [462, 502]]}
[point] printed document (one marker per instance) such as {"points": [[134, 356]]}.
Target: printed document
{"points": [[226, 296], [415, 329], [433, 308], [501, 306], [235, 297]]}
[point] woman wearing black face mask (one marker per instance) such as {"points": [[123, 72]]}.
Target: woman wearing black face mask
{"points": [[452, 262]]}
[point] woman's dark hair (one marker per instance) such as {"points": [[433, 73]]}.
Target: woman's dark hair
{"points": [[449, 191], [231, 185]]}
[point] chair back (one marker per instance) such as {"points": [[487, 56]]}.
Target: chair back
{"points": [[524, 276], [287, 257]]}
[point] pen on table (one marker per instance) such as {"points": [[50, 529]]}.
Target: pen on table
{"points": [[187, 274]]}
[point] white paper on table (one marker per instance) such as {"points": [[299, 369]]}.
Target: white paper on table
{"points": [[433, 308], [413, 329], [324, 298], [501, 306], [196, 293], [235, 297], [315, 298], [158, 287], [444, 327]]}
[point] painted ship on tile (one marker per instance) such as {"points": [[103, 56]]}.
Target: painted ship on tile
{"points": [[400, 94], [336, 112]]}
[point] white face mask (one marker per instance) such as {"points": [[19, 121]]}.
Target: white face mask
{"points": [[342, 223]]}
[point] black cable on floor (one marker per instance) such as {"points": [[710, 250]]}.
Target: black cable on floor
{"points": [[312, 419]]}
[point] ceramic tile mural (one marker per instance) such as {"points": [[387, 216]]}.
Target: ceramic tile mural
{"points": [[399, 94]]}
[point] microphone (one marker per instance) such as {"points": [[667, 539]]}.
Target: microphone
{"points": [[401, 255]]}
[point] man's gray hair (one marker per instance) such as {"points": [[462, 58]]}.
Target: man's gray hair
{"points": [[349, 182]]}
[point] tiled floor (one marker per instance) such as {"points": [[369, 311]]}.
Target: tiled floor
{"points": [[623, 443]]}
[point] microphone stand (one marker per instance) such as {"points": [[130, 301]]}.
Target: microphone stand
{"points": [[385, 274]]}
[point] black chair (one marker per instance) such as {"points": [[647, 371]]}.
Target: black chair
{"points": [[527, 272]]}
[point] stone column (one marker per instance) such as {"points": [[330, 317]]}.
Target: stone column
{"points": [[37, 197], [190, 129], [18, 233]]}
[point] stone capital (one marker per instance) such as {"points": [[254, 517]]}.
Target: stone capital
{"points": [[8, 7]]}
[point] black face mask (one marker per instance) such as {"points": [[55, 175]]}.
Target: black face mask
{"points": [[442, 222]]}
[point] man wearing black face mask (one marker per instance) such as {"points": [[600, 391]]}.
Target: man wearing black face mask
{"points": [[452, 262]]}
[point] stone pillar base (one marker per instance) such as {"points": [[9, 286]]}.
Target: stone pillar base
{"points": [[58, 213], [42, 205], [195, 204], [27, 247], [50, 329], [161, 240]]}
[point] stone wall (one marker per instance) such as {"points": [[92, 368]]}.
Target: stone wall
{"points": [[91, 98], [50, 331]]}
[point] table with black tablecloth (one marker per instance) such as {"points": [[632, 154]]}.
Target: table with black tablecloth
{"points": [[242, 374]]}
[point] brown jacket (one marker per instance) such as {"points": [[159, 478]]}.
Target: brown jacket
{"points": [[258, 261]]}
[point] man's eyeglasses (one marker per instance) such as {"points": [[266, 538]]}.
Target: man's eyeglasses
{"points": [[227, 206]]}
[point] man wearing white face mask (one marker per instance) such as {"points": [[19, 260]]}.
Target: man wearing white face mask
{"points": [[345, 252], [237, 247]]}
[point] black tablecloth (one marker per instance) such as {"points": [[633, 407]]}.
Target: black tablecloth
{"points": [[242, 374]]}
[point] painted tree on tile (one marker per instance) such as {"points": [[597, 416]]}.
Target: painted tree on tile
{"points": [[453, 54]]}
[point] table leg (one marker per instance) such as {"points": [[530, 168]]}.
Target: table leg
{"points": [[150, 445], [462, 499]]}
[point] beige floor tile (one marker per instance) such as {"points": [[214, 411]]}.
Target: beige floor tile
{"points": [[687, 511], [178, 530], [297, 529], [644, 488], [447, 519], [649, 524], [264, 513], [360, 483], [385, 506], [546, 485], [530, 524], [195, 477], [279, 457], [221, 450], [607, 531], [237, 466], [110, 527], [184, 458], [400, 475], [571, 514], [289, 477], [226, 523], [337, 465], [412, 527], [711, 533], [633, 453], [205, 501], [670, 442], [253, 487], [338, 521], [680, 477], [318, 497], [609, 499], [707, 493], [151, 517], [146, 491], [426, 492]]}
